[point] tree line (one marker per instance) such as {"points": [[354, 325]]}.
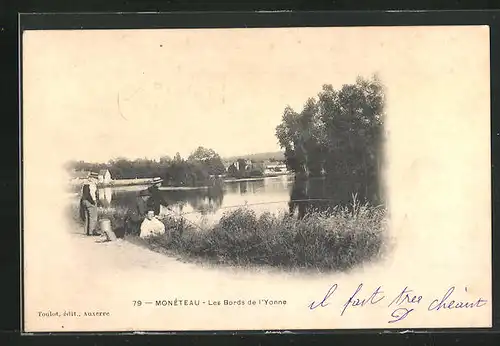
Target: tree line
{"points": [[198, 169]]}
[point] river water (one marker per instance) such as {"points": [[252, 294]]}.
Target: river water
{"points": [[207, 205], [270, 194]]}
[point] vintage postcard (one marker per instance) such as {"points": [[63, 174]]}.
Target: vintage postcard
{"points": [[256, 179]]}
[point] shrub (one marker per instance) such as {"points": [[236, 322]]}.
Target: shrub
{"points": [[337, 240]]}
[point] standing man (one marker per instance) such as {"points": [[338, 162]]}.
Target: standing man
{"points": [[92, 184], [88, 210], [94, 190]]}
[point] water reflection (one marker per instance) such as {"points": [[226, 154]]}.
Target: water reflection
{"points": [[321, 194], [246, 187], [299, 196], [105, 196], [243, 187], [201, 200]]}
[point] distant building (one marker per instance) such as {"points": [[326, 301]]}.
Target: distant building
{"points": [[272, 169], [104, 176], [248, 164]]}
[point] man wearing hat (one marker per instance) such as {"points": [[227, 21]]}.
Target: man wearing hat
{"points": [[138, 213], [156, 200]]}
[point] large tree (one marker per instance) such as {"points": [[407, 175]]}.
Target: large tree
{"points": [[210, 159], [338, 134]]}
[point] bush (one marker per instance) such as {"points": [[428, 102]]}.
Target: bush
{"points": [[337, 240]]}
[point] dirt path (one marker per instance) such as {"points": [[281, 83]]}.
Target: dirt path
{"points": [[71, 271], [131, 258], [68, 271], [128, 258]]}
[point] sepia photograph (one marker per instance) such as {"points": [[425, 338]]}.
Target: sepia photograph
{"points": [[256, 179]]}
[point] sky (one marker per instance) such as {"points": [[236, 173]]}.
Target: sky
{"points": [[150, 93]]}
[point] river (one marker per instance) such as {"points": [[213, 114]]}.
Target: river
{"points": [[270, 194], [206, 205]]}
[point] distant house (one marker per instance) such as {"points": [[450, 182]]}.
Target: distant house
{"points": [[248, 165], [104, 176], [272, 169]]}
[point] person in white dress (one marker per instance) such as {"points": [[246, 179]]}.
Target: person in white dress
{"points": [[151, 226]]}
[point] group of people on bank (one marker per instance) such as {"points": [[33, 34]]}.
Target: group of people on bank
{"points": [[143, 219]]}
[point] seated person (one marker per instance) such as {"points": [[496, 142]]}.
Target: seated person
{"points": [[137, 214], [156, 200], [151, 226]]}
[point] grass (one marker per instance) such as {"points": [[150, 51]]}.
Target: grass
{"points": [[336, 240]]}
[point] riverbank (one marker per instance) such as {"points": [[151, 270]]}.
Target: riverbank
{"points": [[257, 178], [115, 274], [335, 241], [127, 271], [182, 188], [130, 182], [144, 183], [243, 180], [118, 183]]}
